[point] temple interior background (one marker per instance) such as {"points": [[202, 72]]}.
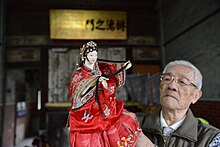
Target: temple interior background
{"points": [[38, 48]]}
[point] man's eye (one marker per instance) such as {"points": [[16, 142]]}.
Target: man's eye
{"points": [[183, 81], [166, 79]]}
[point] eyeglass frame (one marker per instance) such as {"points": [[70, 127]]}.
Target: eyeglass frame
{"points": [[177, 80]]}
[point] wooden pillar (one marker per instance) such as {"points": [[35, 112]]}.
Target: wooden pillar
{"points": [[2, 68]]}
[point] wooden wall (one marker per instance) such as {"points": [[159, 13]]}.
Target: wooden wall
{"points": [[2, 70], [191, 31], [209, 110]]}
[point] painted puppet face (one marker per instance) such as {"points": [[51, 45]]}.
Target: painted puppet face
{"points": [[92, 57]]}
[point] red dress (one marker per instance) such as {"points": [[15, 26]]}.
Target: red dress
{"points": [[103, 122]]}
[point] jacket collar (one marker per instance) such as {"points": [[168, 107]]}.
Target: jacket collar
{"points": [[188, 129]]}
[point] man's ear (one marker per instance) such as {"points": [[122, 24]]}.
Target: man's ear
{"points": [[197, 95]]}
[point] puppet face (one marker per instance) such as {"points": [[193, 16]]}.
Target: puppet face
{"points": [[92, 57], [88, 47]]}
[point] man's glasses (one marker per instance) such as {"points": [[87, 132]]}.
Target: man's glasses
{"points": [[167, 78]]}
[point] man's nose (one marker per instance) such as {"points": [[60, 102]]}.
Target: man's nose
{"points": [[173, 84], [171, 87]]}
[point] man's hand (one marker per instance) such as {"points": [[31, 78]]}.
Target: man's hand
{"points": [[143, 141]]}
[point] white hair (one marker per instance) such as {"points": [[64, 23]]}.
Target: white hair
{"points": [[197, 73]]}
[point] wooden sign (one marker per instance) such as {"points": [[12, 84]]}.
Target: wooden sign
{"points": [[88, 24]]}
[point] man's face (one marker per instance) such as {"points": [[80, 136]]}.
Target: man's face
{"points": [[176, 96]]}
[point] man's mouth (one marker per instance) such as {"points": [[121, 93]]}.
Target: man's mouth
{"points": [[167, 95]]}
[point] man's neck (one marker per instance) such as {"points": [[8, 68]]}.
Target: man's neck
{"points": [[171, 117]]}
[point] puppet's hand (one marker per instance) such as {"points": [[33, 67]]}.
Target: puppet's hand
{"points": [[129, 64], [103, 81]]}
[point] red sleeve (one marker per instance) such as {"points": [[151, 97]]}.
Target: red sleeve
{"points": [[110, 68]]}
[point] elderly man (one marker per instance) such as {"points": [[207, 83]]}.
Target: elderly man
{"points": [[174, 125]]}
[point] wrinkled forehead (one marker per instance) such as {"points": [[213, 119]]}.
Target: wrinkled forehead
{"points": [[181, 71]]}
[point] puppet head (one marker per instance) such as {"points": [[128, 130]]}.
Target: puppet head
{"points": [[88, 47], [84, 50]]}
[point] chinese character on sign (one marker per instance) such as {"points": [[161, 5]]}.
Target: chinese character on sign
{"points": [[108, 24]]}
